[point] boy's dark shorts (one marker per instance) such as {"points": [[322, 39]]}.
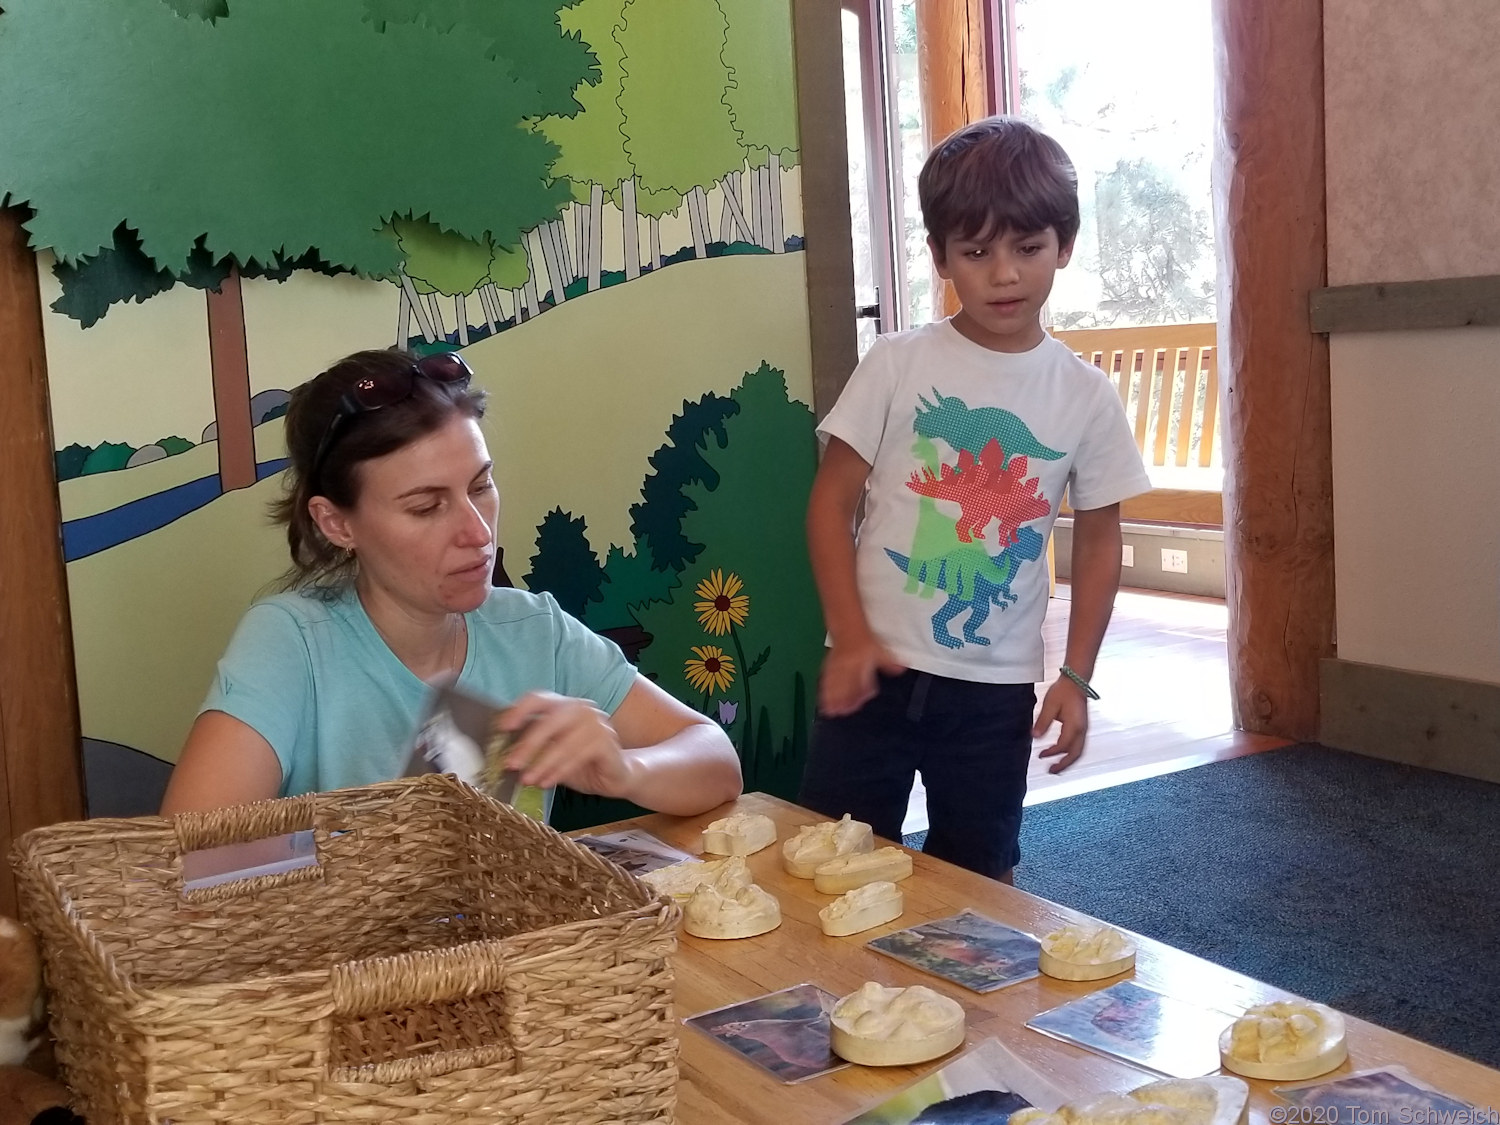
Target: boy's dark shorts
{"points": [[970, 741]]}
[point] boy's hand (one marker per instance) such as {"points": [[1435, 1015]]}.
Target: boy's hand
{"points": [[1064, 703], [851, 676]]}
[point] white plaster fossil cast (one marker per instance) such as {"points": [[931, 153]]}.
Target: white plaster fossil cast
{"points": [[1086, 951], [816, 844], [1215, 1100], [880, 1026], [740, 834], [862, 908], [1284, 1041], [887, 865]]}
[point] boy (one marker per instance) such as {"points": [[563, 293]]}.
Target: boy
{"points": [[960, 437]]}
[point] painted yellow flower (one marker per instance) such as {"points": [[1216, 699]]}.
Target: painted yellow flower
{"points": [[711, 671], [723, 605]]}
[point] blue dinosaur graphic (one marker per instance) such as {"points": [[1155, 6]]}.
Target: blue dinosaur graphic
{"points": [[965, 427], [972, 580]]}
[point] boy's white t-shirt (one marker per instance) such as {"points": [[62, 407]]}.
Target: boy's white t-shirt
{"points": [[970, 451]]}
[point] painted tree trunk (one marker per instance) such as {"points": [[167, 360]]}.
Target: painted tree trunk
{"points": [[565, 256], [518, 299], [698, 220], [552, 256], [655, 240], [229, 360], [528, 292], [632, 230], [403, 319], [462, 313], [435, 311], [767, 228], [415, 303], [596, 236], [491, 319], [778, 228], [580, 231], [733, 203], [500, 314], [757, 210]]}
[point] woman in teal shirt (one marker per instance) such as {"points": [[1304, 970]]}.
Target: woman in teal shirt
{"points": [[390, 513]]}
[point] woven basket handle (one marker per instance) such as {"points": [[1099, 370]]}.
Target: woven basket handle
{"points": [[419, 978], [240, 824]]}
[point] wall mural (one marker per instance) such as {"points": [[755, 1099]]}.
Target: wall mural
{"points": [[597, 202]]}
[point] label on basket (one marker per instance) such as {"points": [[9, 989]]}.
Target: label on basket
{"points": [[271, 856], [457, 735]]}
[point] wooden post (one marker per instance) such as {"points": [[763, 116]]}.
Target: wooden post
{"points": [[1272, 241], [818, 35], [953, 41], [41, 772]]}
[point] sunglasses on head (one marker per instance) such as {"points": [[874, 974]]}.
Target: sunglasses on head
{"points": [[375, 392]]}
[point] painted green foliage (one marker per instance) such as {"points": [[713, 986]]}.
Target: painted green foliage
{"points": [[762, 93], [273, 130], [564, 564], [440, 261], [512, 32], [656, 522], [752, 525], [592, 144], [745, 510], [678, 133]]}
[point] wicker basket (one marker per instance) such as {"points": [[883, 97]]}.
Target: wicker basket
{"points": [[446, 960]]}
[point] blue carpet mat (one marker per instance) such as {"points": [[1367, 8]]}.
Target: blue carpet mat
{"points": [[1366, 885]]}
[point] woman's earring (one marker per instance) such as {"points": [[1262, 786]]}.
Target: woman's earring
{"points": [[348, 554]]}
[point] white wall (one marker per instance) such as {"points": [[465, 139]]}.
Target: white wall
{"points": [[1413, 183]]}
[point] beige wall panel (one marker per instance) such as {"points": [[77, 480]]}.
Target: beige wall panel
{"points": [[1413, 98], [1415, 476]]}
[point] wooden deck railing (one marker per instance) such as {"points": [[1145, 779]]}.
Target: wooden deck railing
{"points": [[1168, 379]]}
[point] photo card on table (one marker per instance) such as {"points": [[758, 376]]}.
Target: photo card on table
{"points": [[1140, 1026], [1388, 1094], [968, 949], [636, 850], [785, 1033]]}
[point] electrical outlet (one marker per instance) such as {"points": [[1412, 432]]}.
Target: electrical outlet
{"points": [[1127, 555], [1173, 562]]}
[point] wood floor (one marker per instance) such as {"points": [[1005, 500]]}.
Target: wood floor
{"points": [[1163, 681]]}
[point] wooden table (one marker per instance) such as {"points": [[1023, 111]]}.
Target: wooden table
{"points": [[718, 1088]]}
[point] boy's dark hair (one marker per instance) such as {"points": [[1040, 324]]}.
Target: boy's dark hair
{"points": [[995, 175]]}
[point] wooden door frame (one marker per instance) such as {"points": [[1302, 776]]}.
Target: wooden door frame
{"points": [[41, 766]]}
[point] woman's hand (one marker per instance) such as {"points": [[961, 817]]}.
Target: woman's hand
{"points": [[566, 741]]}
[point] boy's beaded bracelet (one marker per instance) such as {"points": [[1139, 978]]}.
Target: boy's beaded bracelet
{"points": [[1083, 685]]}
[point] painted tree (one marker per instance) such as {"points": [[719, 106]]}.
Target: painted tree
{"points": [[678, 132], [592, 144], [738, 510], [272, 132], [762, 98], [564, 564], [656, 522]]}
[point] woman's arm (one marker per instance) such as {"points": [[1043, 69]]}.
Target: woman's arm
{"points": [[224, 762], [654, 751]]}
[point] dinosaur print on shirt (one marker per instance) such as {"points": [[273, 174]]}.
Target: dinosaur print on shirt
{"points": [[989, 483]]}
